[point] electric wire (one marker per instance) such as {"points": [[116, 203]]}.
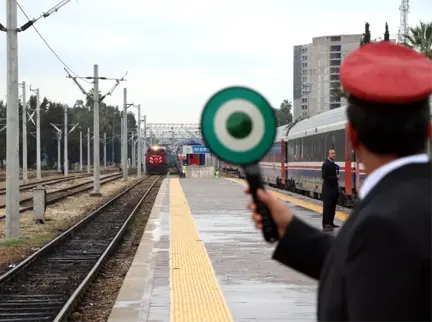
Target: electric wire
{"points": [[46, 43]]}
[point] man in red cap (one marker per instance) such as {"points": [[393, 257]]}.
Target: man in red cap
{"points": [[378, 268]]}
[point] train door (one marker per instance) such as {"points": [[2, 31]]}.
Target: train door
{"points": [[283, 161]]}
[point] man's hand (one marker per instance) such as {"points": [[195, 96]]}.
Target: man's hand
{"points": [[280, 213]]}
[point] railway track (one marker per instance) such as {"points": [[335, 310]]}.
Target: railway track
{"points": [[48, 284], [31, 185], [60, 194]]}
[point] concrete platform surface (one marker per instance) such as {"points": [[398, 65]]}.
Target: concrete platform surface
{"points": [[201, 260]]}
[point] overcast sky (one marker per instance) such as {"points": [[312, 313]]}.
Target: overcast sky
{"points": [[178, 53]]}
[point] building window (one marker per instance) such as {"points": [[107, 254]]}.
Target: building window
{"points": [[304, 100], [334, 70], [337, 48], [335, 55], [335, 62], [304, 79], [335, 38], [334, 85], [304, 58], [304, 50], [334, 77], [304, 64], [334, 105]]}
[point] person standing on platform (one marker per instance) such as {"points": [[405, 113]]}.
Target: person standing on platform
{"points": [[378, 268], [330, 191]]}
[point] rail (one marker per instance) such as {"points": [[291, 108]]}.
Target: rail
{"points": [[60, 194], [49, 283]]}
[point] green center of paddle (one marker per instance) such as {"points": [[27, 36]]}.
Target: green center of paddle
{"points": [[239, 125]]}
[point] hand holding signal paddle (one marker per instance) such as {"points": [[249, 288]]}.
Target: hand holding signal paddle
{"points": [[239, 126]]}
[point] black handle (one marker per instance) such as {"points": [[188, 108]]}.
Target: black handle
{"points": [[253, 177]]}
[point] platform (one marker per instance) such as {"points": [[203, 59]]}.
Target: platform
{"points": [[201, 260]]}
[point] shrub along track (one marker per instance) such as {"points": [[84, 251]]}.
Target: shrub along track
{"points": [[48, 284]]}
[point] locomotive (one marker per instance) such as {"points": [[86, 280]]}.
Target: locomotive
{"points": [[156, 159]]}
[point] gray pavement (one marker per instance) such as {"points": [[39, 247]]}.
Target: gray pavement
{"points": [[256, 288]]}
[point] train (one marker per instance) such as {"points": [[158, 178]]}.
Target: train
{"points": [[295, 159], [156, 159]]}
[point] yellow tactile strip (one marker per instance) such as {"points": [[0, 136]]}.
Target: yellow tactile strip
{"points": [[194, 291], [339, 214]]}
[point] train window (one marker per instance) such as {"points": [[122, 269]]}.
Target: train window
{"points": [[333, 141]]}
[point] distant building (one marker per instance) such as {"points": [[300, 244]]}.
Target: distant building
{"points": [[316, 73]]}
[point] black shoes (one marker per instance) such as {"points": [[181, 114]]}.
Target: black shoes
{"points": [[335, 226]]}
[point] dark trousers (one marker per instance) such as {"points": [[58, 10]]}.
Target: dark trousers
{"points": [[330, 198]]}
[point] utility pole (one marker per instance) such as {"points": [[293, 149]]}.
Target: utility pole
{"points": [[133, 149], [81, 154], [105, 151], [38, 143], [88, 150], [113, 141], [66, 161], [139, 159], [96, 100], [124, 137], [96, 139], [12, 230], [24, 133], [58, 152], [145, 142]]}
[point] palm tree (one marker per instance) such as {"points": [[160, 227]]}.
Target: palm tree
{"points": [[420, 38]]}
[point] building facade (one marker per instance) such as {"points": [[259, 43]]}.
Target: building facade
{"points": [[316, 73]]}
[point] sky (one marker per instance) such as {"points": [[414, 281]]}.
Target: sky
{"points": [[178, 53]]}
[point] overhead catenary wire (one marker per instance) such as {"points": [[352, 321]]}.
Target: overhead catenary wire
{"points": [[44, 15]]}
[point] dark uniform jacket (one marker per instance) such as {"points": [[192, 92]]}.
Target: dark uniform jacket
{"points": [[329, 175], [378, 268]]}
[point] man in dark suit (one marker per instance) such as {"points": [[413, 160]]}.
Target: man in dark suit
{"points": [[378, 268], [330, 191]]}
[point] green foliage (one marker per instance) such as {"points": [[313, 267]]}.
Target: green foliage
{"points": [[284, 113], [366, 38], [339, 92], [386, 33], [420, 38], [53, 112]]}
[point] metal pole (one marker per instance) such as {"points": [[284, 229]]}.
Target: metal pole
{"points": [[81, 154], [88, 150], [125, 131], [112, 143], [96, 139], [121, 139], [66, 161], [38, 138], [24, 134], [105, 154], [12, 130], [145, 143], [133, 150], [58, 152], [139, 142]]}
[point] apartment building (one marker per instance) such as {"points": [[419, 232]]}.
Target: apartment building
{"points": [[316, 73]]}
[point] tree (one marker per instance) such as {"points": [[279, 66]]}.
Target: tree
{"points": [[109, 123], [284, 113], [386, 33], [339, 92], [366, 38], [420, 38]]}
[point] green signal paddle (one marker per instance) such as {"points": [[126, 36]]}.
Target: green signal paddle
{"points": [[238, 125]]}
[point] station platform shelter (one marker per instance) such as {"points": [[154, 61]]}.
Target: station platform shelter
{"points": [[201, 260]]}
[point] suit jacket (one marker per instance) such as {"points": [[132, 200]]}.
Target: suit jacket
{"points": [[378, 268], [329, 171]]}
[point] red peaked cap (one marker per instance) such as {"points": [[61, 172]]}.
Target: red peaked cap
{"points": [[385, 72]]}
